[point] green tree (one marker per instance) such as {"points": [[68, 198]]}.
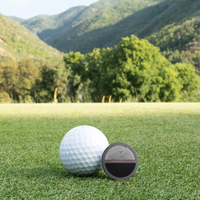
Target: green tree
{"points": [[9, 78], [62, 83], [143, 71], [76, 66], [28, 73], [44, 89], [135, 69], [96, 62], [187, 77]]}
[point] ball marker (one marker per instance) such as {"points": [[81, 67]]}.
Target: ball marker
{"points": [[119, 161]]}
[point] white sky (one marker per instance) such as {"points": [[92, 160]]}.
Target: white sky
{"points": [[26, 9]]}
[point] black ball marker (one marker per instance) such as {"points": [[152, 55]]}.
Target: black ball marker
{"points": [[119, 161]]}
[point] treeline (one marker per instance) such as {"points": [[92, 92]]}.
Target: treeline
{"points": [[134, 70], [184, 57], [26, 83]]}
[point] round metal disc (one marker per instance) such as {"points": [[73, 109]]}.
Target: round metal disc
{"points": [[119, 161]]}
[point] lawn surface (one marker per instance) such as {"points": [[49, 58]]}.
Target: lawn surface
{"points": [[166, 138]]}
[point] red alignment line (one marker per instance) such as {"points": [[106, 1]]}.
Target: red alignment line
{"points": [[115, 161]]}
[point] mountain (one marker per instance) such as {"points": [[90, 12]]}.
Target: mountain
{"points": [[17, 19], [102, 30], [180, 42], [68, 18], [178, 36], [57, 30], [106, 28], [105, 22], [17, 42], [43, 22]]}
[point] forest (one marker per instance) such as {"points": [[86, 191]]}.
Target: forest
{"points": [[133, 70]]}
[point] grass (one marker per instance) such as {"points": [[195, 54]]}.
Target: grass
{"points": [[166, 138]]}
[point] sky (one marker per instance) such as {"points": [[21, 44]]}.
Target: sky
{"points": [[26, 9]]}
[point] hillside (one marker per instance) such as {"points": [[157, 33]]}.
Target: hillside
{"points": [[94, 31], [177, 36], [171, 25], [85, 36], [180, 42], [17, 19], [44, 22], [17, 42], [59, 30], [67, 19]]}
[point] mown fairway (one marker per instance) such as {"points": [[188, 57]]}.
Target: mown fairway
{"points": [[166, 138]]}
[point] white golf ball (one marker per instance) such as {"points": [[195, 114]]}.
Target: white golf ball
{"points": [[81, 150]]}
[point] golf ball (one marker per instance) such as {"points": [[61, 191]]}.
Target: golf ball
{"points": [[81, 150]]}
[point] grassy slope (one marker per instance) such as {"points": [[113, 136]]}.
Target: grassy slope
{"points": [[17, 42], [165, 137]]}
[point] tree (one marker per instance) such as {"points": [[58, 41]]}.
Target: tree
{"points": [[28, 73], [75, 65], [187, 77], [9, 78], [43, 90], [133, 69], [62, 83], [142, 72], [98, 64]]}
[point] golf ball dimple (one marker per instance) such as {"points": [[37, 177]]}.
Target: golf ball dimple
{"points": [[81, 150]]}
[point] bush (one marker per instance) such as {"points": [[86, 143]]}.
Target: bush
{"points": [[4, 97]]}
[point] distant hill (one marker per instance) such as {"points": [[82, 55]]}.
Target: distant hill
{"points": [[40, 23], [17, 19], [67, 19], [103, 30], [180, 42], [59, 30], [17, 42], [184, 35], [105, 22], [106, 28]]}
